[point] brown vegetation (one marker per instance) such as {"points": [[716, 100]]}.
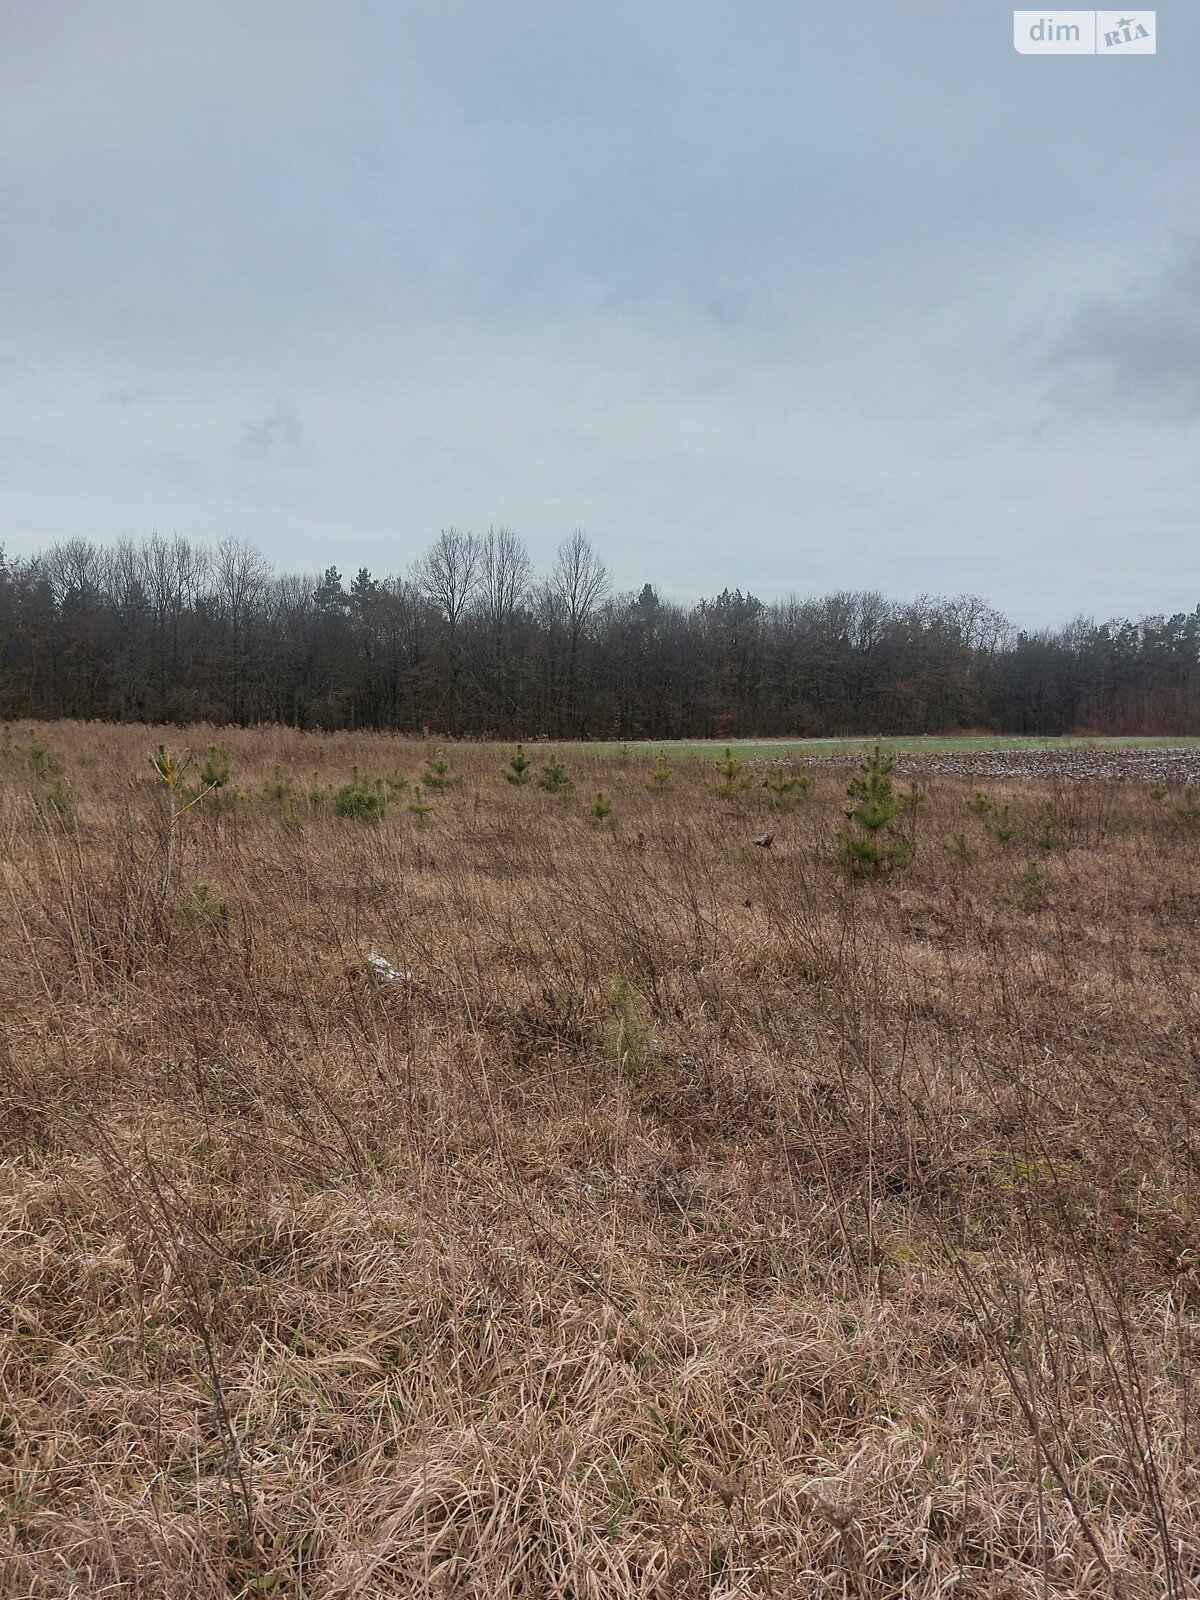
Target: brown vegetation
{"points": [[505, 1199]]}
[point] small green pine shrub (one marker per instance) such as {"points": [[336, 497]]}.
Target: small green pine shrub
{"points": [[277, 788], [786, 789], [58, 803], [1188, 809], [868, 855], [871, 843], [600, 809], [999, 825], [214, 774], [202, 907], [732, 777], [979, 804], [1158, 792], [518, 768], [419, 807], [911, 801], [554, 778], [1031, 888], [626, 1028], [959, 847], [661, 777], [363, 798], [42, 762], [438, 774]]}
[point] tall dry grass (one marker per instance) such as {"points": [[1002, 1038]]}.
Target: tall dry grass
{"points": [[691, 1220]]}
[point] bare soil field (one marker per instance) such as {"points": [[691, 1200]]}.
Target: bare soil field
{"points": [[998, 754], [449, 1186], [1074, 763]]}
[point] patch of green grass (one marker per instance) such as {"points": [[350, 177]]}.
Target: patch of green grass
{"points": [[927, 744]]}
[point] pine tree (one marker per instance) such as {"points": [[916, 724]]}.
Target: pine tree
{"points": [[518, 767], [871, 844], [787, 788], [661, 778], [554, 778], [329, 597], [214, 774], [438, 774], [419, 807], [600, 809], [734, 778], [364, 798]]}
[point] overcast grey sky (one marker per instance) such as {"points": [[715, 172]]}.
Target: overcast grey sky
{"points": [[780, 295]]}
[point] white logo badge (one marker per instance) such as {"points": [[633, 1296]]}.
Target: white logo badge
{"points": [[1084, 33]]}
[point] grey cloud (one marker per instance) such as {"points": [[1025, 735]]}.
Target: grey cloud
{"points": [[277, 438], [1139, 351]]}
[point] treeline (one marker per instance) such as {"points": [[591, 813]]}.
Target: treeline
{"points": [[471, 640]]}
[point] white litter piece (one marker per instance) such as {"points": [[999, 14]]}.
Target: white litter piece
{"points": [[384, 970]]}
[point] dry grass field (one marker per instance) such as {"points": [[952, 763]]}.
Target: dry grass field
{"points": [[658, 1214]]}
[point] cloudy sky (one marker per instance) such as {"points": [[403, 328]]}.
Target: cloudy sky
{"points": [[780, 295]]}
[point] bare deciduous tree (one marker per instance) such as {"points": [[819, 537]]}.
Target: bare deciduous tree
{"points": [[577, 587], [506, 577], [578, 581], [240, 579], [448, 573]]}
